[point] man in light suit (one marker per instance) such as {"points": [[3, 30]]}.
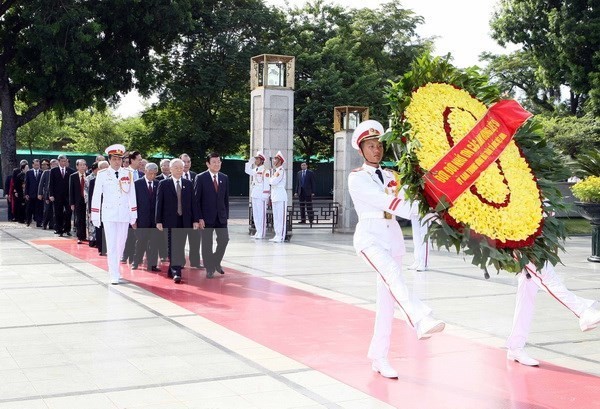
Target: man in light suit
{"points": [[59, 196], [148, 236], [35, 207], [176, 211], [211, 191], [306, 185]]}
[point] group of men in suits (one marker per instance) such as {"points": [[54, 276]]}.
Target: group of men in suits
{"points": [[178, 205]]}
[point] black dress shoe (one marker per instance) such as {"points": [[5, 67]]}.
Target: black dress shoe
{"points": [[134, 266], [69, 234], [79, 241], [92, 243], [123, 260], [199, 266], [60, 234], [57, 232], [220, 270], [177, 279], [210, 274], [28, 224], [44, 227], [39, 225], [155, 269]]}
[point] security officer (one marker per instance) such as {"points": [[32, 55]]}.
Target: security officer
{"points": [[378, 240], [278, 181], [259, 193], [114, 204]]}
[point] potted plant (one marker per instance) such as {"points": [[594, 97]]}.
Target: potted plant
{"points": [[587, 192]]}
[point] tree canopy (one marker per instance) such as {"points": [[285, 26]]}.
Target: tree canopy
{"points": [[68, 54], [563, 38]]}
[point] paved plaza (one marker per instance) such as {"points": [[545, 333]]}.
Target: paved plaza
{"points": [[260, 336]]}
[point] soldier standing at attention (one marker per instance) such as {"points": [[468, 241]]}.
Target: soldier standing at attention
{"points": [[279, 198], [259, 193], [114, 204], [378, 241]]}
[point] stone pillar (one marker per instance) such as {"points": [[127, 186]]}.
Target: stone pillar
{"points": [[272, 109], [345, 160]]}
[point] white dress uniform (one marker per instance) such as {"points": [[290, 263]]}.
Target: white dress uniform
{"points": [[379, 242], [550, 282], [115, 205], [279, 201], [420, 226], [259, 194]]}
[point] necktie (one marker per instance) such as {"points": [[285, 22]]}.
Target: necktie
{"points": [[179, 208], [303, 176], [82, 185], [62, 170], [117, 174], [379, 174], [35, 173], [150, 188], [187, 176], [215, 183]]}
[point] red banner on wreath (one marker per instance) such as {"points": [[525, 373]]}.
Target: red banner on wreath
{"points": [[466, 160]]}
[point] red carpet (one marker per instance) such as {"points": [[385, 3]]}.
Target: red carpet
{"points": [[332, 337]]}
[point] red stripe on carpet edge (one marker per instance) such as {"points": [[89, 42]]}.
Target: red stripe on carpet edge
{"points": [[333, 338]]}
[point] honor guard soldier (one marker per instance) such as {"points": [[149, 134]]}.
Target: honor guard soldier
{"points": [[259, 193], [278, 198], [378, 241], [114, 204]]}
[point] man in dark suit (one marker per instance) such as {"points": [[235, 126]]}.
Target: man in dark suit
{"points": [[211, 191], [176, 211], [306, 185], [194, 237], [43, 194], [149, 238], [34, 206], [59, 196], [77, 199]]}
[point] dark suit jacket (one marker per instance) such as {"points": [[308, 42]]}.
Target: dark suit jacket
{"points": [[310, 182], [161, 177], [212, 206], [44, 185], [192, 176], [32, 183], [146, 204], [91, 186], [75, 188], [59, 186], [166, 204]]}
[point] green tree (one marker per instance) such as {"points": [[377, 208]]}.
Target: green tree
{"points": [[90, 130], [69, 54], [518, 75], [204, 102], [43, 132], [562, 36], [345, 57], [572, 135]]}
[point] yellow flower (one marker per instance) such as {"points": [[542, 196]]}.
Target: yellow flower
{"points": [[504, 204]]}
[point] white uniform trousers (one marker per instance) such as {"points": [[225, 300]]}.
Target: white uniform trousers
{"points": [[527, 289], [116, 235], [279, 220], [259, 211], [419, 231], [391, 290]]}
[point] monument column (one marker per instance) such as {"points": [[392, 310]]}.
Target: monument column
{"points": [[272, 109], [345, 120]]}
